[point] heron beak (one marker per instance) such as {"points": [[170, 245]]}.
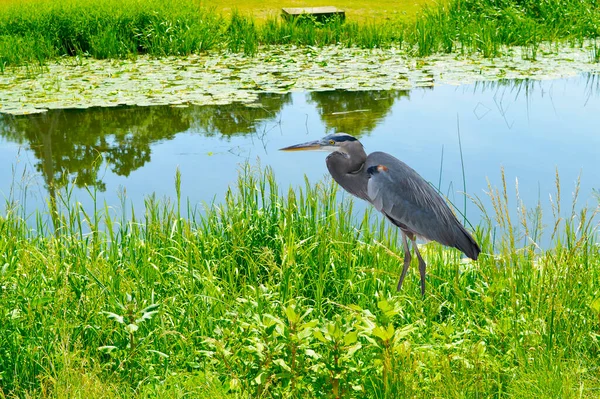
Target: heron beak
{"points": [[311, 145]]}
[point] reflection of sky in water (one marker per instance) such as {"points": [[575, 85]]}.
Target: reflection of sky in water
{"points": [[529, 130]]}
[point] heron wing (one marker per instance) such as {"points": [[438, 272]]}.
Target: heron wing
{"points": [[410, 202]]}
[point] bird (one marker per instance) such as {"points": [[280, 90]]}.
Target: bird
{"points": [[395, 189]]}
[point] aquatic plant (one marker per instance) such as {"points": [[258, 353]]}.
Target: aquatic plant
{"points": [[226, 78]]}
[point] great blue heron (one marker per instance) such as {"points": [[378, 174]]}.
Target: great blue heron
{"points": [[396, 190]]}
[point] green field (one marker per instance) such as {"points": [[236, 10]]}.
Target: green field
{"points": [[356, 10], [36, 31], [267, 295]]}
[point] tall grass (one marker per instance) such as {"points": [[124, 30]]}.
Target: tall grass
{"points": [[486, 26], [35, 31], [271, 295], [106, 29]]}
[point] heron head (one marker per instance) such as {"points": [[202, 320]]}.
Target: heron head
{"points": [[332, 142]]}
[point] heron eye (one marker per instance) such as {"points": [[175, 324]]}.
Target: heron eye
{"points": [[331, 142]]}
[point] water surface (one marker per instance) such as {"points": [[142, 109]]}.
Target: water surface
{"points": [[530, 128]]}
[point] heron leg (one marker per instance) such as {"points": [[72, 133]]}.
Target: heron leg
{"points": [[422, 265], [407, 259]]}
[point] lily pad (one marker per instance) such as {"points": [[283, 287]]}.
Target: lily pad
{"points": [[223, 78]]}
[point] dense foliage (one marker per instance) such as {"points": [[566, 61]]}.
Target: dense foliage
{"points": [[287, 296], [34, 31]]}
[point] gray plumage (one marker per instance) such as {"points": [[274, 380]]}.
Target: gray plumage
{"points": [[397, 191]]}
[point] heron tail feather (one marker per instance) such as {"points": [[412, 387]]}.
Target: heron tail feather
{"points": [[465, 242]]}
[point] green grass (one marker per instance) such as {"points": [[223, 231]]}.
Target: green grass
{"points": [[271, 295], [261, 10], [36, 31], [356, 10]]}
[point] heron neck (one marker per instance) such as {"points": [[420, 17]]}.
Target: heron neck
{"points": [[355, 158], [348, 171]]}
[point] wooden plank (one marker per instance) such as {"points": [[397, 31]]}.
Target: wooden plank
{"points": [[319, 13]]}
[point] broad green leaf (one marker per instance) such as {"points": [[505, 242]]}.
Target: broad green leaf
{"points": [[334, 331], [291, 314], [280, 362], [384, 333], [131, 328], [309, 324], [595, 305], [146, 316], [387, 309], [354, 348], [115, 317], [260, 378], [312, 353], [351, 338], [319, 335]]}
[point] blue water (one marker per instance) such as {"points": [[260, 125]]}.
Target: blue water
{"points": [[532, 129]]}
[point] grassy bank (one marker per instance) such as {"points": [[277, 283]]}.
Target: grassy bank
{"points": [[38, 30], [283, 296]]}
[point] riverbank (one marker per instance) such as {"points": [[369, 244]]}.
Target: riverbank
{"points": [[222, 77], [284, 296], [37, 31]]}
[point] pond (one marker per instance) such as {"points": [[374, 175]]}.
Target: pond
{"points": [[532, 129]]}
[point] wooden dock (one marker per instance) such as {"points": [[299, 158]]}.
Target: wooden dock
{"points": [[320, 14]]}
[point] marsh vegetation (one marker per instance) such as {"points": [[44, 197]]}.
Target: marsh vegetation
{"points": [[276, 292], [37, 30], [271, 295]]}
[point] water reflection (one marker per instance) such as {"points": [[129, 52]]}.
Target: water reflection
{"points": [[527, 87], [73, 146], [530, 128], [70, 146], [235, 119], [354, 112]]}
